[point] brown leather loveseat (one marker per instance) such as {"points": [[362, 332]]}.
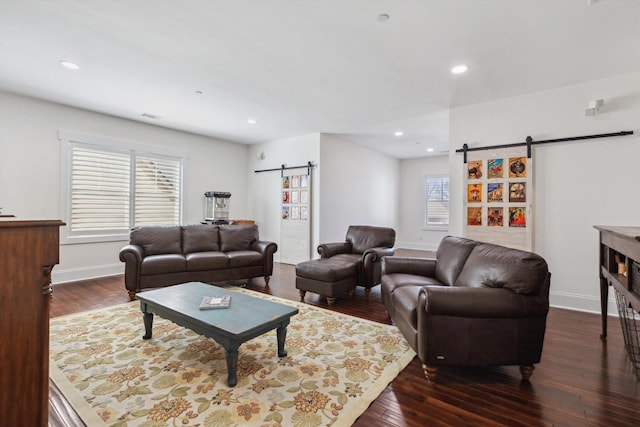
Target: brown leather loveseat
{"points": [[163, 256], [475, 304]]}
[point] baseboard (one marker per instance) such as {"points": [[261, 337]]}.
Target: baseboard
{"points": [[584, 303], [417, 246], [76, 274]]}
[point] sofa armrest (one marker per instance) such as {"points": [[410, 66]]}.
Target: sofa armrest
{"points": [[327, 250], [132, 256], [495, 303], [267, 249], [409, 265]]}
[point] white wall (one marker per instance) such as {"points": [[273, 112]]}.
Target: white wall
{"points": [[358, 187], [30, 171], [411, 232], [264, 196], [576, 184]]}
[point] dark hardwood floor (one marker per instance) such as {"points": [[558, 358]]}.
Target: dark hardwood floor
{"points": [[581, 381]]}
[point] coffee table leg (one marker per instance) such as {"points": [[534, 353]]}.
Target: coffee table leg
{"points": [[282, 337], [148, 325], [232, 364]]}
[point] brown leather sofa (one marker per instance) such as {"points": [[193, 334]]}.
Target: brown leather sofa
{"points": [[163, 256], [364, 246], [475, 304]]}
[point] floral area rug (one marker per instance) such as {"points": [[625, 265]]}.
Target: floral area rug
{"points": [[335, 367]]}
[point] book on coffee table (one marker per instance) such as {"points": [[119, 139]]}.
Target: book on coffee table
{"points": [[213, 302]]}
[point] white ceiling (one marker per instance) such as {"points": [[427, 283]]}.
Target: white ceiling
{"points": [[309, 66]]}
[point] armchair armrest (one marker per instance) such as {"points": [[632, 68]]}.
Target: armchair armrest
{"points": [[409, 265], [376, 254], [327, 250], [460, 301]]}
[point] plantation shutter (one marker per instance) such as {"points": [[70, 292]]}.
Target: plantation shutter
{"points": [[157, 190], [437, 201], [100, 185]]}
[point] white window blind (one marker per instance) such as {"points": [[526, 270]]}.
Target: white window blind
{"points": [[437, 202], [111, 189]]}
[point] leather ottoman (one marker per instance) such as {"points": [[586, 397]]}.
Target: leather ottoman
{"points": [[327, 277]]}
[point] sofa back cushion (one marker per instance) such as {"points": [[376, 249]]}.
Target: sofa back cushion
{"points": [[200, 238], [157, 240], [493, 266], [237, 237], [451, 256], [363, 237]]}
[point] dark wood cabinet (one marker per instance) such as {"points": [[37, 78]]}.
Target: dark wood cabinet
{"points": [[28, 252]]}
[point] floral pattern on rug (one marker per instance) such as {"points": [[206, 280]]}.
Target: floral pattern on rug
{"points": [[335, 367]]}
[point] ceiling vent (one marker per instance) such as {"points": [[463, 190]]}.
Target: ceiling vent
{"points": [[151, 116]]}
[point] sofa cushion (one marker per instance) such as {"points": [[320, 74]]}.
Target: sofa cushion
{"points": [[201, 261], [494, 266], [157, 240], [244, 258], [160, 264], [200, 238], [237, 237], [451, 256]]}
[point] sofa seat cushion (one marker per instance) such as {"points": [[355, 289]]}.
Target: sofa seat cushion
{"points": [[405, 302], [354, 259], [245, 258], [159, 264], [211, 260]]}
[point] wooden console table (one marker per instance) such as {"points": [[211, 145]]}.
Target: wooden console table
{"points": [[620, 268], [28, 252]]}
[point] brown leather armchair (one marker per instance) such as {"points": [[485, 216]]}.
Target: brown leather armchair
{"points": [[365, 246], [475, 304]]}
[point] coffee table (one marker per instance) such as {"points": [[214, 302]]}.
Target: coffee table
{"points": [[246, 318]]}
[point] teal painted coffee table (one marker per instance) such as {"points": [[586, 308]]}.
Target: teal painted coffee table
{"points": [[246, 318]]}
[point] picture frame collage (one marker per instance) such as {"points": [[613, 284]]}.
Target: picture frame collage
{"points": [[295, 197], [497, 189]]}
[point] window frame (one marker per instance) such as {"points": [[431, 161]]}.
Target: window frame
{"points": [[426, 225], [71, 139]]}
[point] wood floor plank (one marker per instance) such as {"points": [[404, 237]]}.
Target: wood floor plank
{"points": [[581, 381]]}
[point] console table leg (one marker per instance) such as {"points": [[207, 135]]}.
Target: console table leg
{"points": [[604, 304], [148, 325]]}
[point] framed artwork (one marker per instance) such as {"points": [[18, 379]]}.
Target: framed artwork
{"points": [[285, 212], [286, 197], [295, 181], [304, 181], [517, 167], [474, 193], [494, 192], [294, 197], [495, 217], [295, 212], [474, 169], [495, 168], [304, 197], [474, 216], [304, 213], [517, 192], [285, 182], [517, 217]]}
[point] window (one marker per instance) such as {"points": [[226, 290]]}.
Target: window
{"points": [[109, 189], [437, 202]]}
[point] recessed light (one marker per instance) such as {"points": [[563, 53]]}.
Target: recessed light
{"points": [[70, 65], [383, 17], [199, 92], [459, 69], [398, 133], [430, 150], [151, 116], [252, 121]]}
